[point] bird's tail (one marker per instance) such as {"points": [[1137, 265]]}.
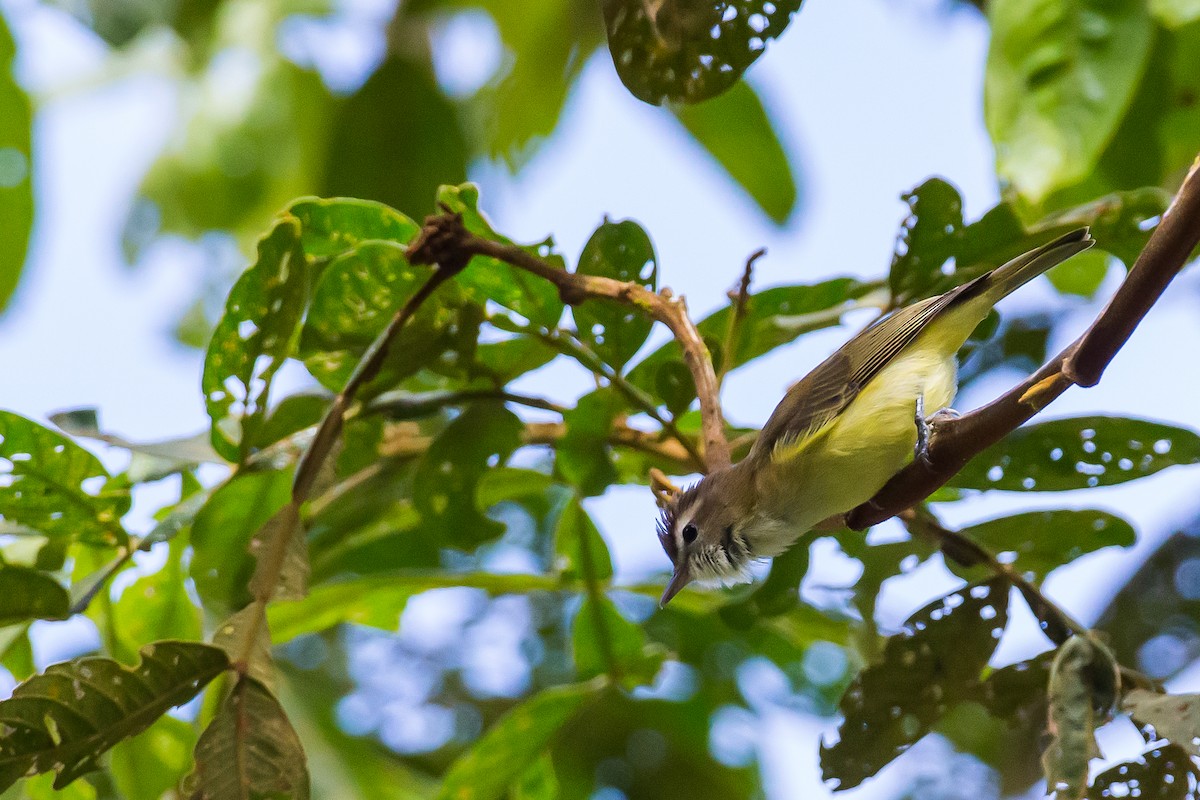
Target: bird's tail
{"points": [[1006, 279]]}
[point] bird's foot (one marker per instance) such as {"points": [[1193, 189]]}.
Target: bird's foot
{"points": [[925, 425]]}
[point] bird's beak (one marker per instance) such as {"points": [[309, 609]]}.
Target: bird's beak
{"points": [[680, 579]]}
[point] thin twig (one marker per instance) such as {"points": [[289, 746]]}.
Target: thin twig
{"points": [[448, 233], [954, 442], [739, 298]]}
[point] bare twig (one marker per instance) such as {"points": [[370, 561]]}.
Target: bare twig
{"points": [[954, 442], [739, 297], [446, 234]]}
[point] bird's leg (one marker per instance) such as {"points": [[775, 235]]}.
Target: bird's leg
{"points": [[926, 424]]}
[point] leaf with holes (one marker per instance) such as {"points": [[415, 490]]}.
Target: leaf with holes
{"points": [[254, 338], [483, 436], [621, 251], [681, 51], [1072, 719], [488, 278], [1039, 542], [50, 485], [933, 663], [1060, 75], [1161, 773], [515, 742], [579, 548], [67, 717], [16, 173], [736, 130], [27, 594], [251, 731], [331, 227], [1172, 716], [773, 318], [928, 239], [1016, 694], [1079, 453], [355, 299], [604, 642]]}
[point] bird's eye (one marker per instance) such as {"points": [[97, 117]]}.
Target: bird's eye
{"points": [[689, 533]]}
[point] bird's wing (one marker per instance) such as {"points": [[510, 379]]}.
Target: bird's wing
{"points": [[820, 396]]}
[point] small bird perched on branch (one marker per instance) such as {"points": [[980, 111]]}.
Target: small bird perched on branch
{"points": [[841, 432]]}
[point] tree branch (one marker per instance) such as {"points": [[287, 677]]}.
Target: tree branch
{"points": [[444, 237], [954, 442]]}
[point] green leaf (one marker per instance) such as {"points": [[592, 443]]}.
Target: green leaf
{"points": [[1161, 773], [604, 642], [687, 52], [1175, 717], [252, 732], [487, 278], [931, 665], [621, 251], [538, 782], [514, 743], [773, 318], [737, 131], [253, 339], [378, 600], [16, 170], [1040, 542], [503, 362], [355, 299], [1079, 453], [149, 766], [221, 565], [27, 594], [579, 549], [1081, 274], [583, 456], [1060, 75], [331, 227], [157, 606], [16, 653], [929, 237], [1175, 13], [41, 787], [482, 437], [1072, 720], [778, 594], [48, 485], [396, 139], [67, 717]]}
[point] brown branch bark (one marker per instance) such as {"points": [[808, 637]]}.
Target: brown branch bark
{"points": [[445, 238], [954, 442]]}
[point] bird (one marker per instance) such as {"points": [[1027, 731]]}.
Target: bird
{"points": [[841, 432]]}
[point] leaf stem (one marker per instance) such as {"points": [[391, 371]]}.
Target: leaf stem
{"points": [[739, 298]]}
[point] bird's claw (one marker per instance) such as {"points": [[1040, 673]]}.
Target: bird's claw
{"points": [[924, 427]]}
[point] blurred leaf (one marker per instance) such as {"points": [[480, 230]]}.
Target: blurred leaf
{"points": [[538, 782], [1040, 542], [779, 593], [682, 51], [253, 339], [621, 251], [505, 361], [1060, 76], [604, 642], [928, 239], [1017, 693], [41, 787], [774, 317], [334, 226], [487, 278], [148, 766], [1072, 720], [16, 159], [737, 131], [1175, 13], [251, 731], [379, 600], [151, 460], [355, 299], [481, 437], [583, 456], [67, 717], [1175, 717], [16, 653], [1161, 773], [579, 549], [514, 743], [246, 637], [27, 594], [221, 565], [396, 140], [1079, 453], [120, 22], [1081, 274], [282, 530], [291, 415], [931, 665], [55, 487]]}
